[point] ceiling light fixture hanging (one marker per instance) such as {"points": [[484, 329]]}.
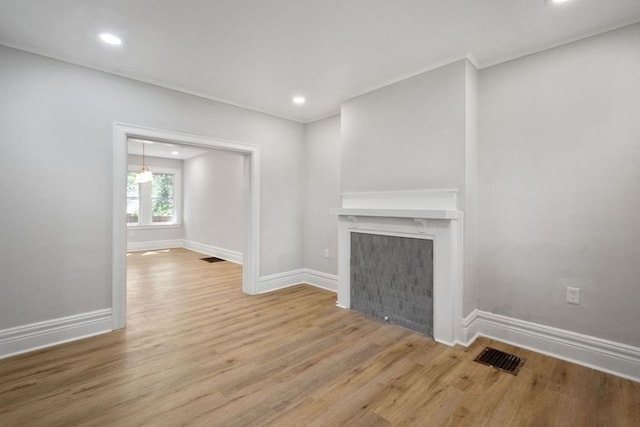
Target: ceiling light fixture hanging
{"points": [[144, 175]]}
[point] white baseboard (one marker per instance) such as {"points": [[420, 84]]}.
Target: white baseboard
{"points": [[25, 338], [321, 280], [154, 245], [202, 248], [470, 326], [225, 254], [608, 356], [273, 282], [315, 278]]}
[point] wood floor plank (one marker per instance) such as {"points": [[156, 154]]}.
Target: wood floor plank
{"points": [[197, 351]]}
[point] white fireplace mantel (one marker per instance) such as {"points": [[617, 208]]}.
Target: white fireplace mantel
{"points": [[421, 214], [399, 213]]}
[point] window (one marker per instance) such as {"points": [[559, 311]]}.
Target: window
{"points": [[156, 202], [162, 204]]}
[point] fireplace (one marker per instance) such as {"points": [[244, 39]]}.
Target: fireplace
{"points": [[392, 279], [423, 215]]}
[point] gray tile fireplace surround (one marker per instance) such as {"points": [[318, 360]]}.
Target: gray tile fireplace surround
{"points": [[393, 276]]}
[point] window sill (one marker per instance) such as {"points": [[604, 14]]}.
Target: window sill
{"points": [[153, 226]]}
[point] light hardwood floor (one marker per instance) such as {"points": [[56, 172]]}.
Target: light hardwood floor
{"points": [[197, 351]]}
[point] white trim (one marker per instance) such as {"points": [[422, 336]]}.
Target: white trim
{"points": [[154, 245], [326, 281], [26, 338], [431, 67], [557, 43], [146, 80], [322, 117], [155, 226], [608, 356], [469, 328], [473, 60], [273, 282], [215, 251], [226, 254], [399, 213], [121, 132]]}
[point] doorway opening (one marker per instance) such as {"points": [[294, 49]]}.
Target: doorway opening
{"points": [[250, 159]]}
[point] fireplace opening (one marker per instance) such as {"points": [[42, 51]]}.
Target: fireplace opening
{"points": [[392, 279]]}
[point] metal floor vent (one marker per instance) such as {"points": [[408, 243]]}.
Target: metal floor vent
{"points": [[212, 259], [500, 360]]}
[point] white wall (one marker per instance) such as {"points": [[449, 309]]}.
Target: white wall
{"points": [[322, 193], [559, 168], [419, 133], [213, 200], [56, 127], [156, 234], [408, 135]]}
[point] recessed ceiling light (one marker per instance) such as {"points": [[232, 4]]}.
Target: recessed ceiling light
{"points": [[557, 1], [175, 153], [299, 100], [111, 39]]}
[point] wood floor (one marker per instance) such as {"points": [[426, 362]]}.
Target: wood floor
{"points": [[197, 351]]}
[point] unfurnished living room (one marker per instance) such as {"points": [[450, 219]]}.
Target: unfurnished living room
{"points": [[320, 213]]}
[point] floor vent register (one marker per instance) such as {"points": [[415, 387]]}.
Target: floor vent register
{"points": [[212, 259], [500, 360]]}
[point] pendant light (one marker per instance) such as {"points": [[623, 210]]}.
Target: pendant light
{"points": [[144, 175]]}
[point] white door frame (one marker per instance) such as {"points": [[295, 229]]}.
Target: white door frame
{"points": [[251, 154]]}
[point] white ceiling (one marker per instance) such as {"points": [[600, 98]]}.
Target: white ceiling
{"points": [[259, 53], [163, 149]]}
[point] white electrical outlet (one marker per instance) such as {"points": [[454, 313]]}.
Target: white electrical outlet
{"points": [[573, 295], [326, 253]]}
